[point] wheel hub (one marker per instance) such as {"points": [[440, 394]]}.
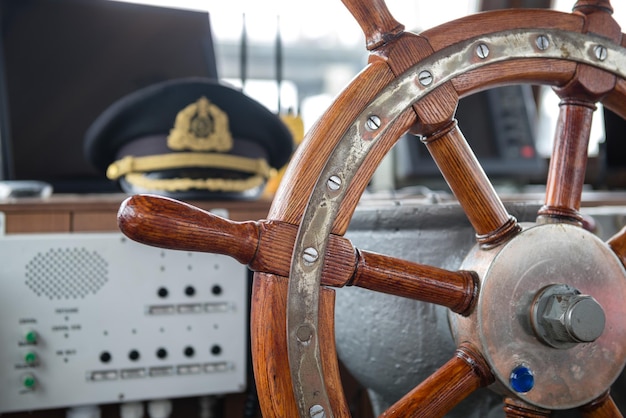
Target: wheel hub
{"points": [[549, 315]]}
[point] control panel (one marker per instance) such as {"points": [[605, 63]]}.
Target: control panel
{"points": [[91, 318]]}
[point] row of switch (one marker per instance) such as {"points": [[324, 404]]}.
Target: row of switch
{"points": [[184, 369], [190, 308], [29, 381]]}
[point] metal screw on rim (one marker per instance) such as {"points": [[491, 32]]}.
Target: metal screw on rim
{"points": [[304, 333], [600, 52], [542, 42], [334, 183], [310, 255], [482, 50], [317, 411], [425, 78], [373, 123]]}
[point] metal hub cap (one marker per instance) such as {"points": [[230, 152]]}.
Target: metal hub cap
{"points": [[548, 318]]}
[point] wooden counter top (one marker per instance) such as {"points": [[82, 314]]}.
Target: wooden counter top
{"points": [[97, 212]]}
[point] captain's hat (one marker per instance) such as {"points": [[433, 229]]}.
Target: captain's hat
{"points": [[192, 138]]}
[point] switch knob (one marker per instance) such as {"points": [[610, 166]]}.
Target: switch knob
{"points": [[29, 381], [30, 337], [30, 358]]}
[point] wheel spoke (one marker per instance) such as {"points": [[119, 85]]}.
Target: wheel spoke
{"points": [[470, 185], [377, 23], [618, 244], [443, 390], [569, 161], [515, 408], [455, 290], [603, 407], [566, 174], [266, 246]]}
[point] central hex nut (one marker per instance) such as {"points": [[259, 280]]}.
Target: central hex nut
{"points": [[562, 317]]}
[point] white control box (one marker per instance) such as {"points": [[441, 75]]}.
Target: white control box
{"points": [[97, 318]]}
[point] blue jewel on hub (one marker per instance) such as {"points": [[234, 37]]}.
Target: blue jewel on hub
{"points": [[522, 379]]}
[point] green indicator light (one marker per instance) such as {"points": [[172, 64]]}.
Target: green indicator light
{"points": [[29, 381], [31, 337], [30, 357]]}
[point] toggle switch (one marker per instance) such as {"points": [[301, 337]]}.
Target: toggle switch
{"points": [[29, 381], [30, 358], [30, 337]]}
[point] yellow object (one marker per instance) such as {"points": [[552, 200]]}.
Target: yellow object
{"points": [[296, 126]]}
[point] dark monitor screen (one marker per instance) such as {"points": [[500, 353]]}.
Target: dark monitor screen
{"points": [[65, 61]]}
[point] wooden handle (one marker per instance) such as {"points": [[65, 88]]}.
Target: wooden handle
{"points": [[375, 20], [166, 223], [266, 246]]}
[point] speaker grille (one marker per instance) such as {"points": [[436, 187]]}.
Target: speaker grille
{"points": [[66, 273]]}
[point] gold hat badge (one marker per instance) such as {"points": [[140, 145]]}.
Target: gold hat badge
{"points": [[198, 128], [201, 126]]}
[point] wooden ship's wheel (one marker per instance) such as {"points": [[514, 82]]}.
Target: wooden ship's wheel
{"points": [[537, 310]]}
